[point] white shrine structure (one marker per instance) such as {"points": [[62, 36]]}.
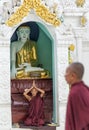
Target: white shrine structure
{"points": [[73, 30]]}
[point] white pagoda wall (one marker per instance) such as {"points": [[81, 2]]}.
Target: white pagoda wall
{"points": [[69, 32]]}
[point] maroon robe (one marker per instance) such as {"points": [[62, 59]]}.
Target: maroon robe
{"points": [[36, 112], [77, 114]]}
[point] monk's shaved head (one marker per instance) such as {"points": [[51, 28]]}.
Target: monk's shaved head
{"points": [[77, 68]]}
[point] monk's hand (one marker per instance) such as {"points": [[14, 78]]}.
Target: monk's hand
{"points": [[36, 87]]}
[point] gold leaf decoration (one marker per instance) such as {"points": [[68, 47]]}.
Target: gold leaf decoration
{"points": [[71, 47], [80, 3], [70, 51], [83, 20], [40, 9]]}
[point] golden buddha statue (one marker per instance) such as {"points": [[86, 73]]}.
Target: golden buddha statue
{"points": [[24, 56]]}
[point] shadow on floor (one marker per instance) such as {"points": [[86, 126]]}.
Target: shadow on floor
{"points": [[39, 128]]}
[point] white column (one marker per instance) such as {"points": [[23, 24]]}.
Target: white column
{"points": [[79, 36], [5, 99], [63, 42]]}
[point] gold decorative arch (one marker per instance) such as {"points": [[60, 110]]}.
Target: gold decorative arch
{"points": [[40, 9]]}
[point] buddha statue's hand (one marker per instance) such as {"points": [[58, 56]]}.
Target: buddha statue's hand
{"points": [[21, 65], [25, 65]]}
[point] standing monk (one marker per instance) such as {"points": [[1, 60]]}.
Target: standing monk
{"points": [[77, 114]]}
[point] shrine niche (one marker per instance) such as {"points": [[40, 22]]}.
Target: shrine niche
{"points": [[41, 72], [32, 62]]}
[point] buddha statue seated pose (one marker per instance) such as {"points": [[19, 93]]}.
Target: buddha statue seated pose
{"points": [[24, 60]]}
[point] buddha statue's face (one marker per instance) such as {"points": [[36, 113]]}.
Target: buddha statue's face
{"points": [[23, 33]]}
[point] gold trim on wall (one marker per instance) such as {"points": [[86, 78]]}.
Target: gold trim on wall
{"points": [[40, 9]]}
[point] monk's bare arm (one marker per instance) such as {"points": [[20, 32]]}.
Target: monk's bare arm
{"points": [[41, 91], [26, 91]]}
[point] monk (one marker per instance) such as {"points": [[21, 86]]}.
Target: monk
{"points": [[77, 114], [36, 106]]}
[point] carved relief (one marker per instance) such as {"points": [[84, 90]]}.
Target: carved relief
{"points": [[65, 40], [7, 8], [75, 3], [69, 3], [4, 31], [4, 98], [4, 76], [62, 55], [65, 29], [5, 114]]}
